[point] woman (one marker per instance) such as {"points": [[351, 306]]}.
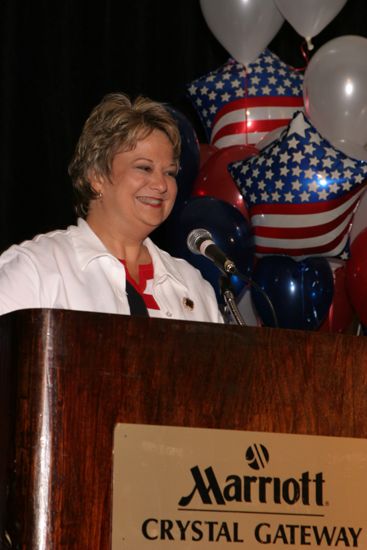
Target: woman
{"points": [[123, 174]]}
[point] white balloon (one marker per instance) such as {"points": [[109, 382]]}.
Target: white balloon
{"points": [[335, 94], [309, 17], [243, 27], [351, 149]]}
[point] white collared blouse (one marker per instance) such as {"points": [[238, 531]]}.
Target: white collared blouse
{"points": [[72, 269]]}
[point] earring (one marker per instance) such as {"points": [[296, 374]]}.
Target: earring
{"points": [[99, 195]]}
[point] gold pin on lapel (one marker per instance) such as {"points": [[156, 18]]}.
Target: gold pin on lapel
{"points": [[188, 303]]}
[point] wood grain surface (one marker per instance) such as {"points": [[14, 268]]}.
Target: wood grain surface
{"points": [[69, 377]]}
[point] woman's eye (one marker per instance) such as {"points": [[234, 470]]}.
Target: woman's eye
{"points": [[145, 168]]}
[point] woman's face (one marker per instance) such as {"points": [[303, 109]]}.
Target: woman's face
{"points": [[141, 190]]}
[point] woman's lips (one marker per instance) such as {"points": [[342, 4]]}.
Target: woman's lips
{"points": [[151, 201]]}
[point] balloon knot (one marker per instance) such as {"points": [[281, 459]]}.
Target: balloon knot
{"points": [[310, 46]]}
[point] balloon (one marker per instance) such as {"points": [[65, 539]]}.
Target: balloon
{"points": [[247, 310], [335, 94], [270, 137], [360, 218], [229, 229], [357, 276], [243, 28], [239, 107], [301, 193], [206, 151], [301, 292], [189, 159], [309, 17], [340, 314], [215, 181]]}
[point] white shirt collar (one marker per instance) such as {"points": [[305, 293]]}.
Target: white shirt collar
{"points": [[88, 247]]}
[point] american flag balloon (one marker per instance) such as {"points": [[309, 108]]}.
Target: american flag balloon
{"points": [[301, 193], [239, 106]]}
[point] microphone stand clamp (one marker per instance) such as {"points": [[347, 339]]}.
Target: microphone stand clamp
{"points": [[229, 299]]}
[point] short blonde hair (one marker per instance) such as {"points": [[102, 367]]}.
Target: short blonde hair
{"points": [[115, 124]]}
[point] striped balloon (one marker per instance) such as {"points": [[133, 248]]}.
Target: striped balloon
{"points": [[239, 106]]}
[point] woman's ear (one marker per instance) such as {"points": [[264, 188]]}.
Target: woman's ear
{"points": [[96, 181]]}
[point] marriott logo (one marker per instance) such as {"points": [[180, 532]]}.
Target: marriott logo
{"points": [[306, 489]]}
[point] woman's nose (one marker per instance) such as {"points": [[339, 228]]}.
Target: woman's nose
{"points": [[159, 181]]}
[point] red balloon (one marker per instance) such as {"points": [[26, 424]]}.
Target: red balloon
{"points": [[341, 312], [357, 275], [215, 181], [206, 151]]}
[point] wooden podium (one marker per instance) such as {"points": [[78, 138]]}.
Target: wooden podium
{"points": [[68, 377]]}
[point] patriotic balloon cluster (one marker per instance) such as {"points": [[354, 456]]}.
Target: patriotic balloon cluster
{"points": [[285, 164], [239, 105], [301, 193]]}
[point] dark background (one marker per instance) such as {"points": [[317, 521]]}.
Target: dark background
{"points": [[58, 58]]}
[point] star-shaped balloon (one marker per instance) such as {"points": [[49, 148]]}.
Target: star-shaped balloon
{"points": [[301, 193], [239, 106]]}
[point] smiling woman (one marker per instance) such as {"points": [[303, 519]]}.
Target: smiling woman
{"points": [[137, 196], [123, 173]]}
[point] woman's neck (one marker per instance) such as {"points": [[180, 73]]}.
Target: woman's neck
{"points": [[130, 249]]}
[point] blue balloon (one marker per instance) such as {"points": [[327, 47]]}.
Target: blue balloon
{"points": [[188, 171], [229, 229], [189, 158], [301, 292]]}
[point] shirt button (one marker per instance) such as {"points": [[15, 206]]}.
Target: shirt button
{"points": [[169, 314]]}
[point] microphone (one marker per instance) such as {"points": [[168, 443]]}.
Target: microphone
{"points": [[200, 241]]}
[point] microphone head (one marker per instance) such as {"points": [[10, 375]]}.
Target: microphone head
{"points": [[195, 238]]}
